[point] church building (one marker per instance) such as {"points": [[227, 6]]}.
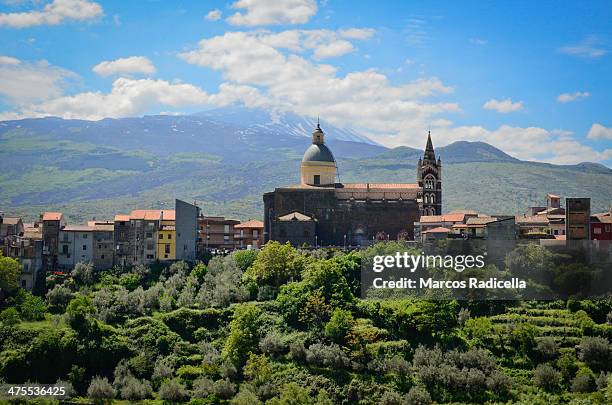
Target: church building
{"points": [[320, 211]]}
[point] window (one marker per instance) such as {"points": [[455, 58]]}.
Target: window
{"points": [[84, 247], [102, 257], [161, 236], [148, 235], [597, 231], [317, 179], [169, 236], [23, 284], [64, 249], [99, 246], [226, 229], [255, 233], [225, 238], [607, 228], [84, 236], [167, 249]]}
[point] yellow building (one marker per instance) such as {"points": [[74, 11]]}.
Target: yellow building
{"points": [[166, 241]]}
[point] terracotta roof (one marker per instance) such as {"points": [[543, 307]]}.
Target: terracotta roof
{"points": [[122, 218], [560, 237], [535, 219], [11, 220], [101, 225], [437, 230], [464, 212], [153, 215], [553, 196], [252, 223], [295, 216], [480, 220], [603, 217], [52, 216], [452, 217], [459, 226]]}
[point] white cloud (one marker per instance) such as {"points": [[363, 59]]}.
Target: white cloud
{"points": [[54, 13], [479, 41], [503, 106], [598, 131], [269, 12], [24, 82], [128, 97], [531, 143], [289, 81], [587, 48], [9, 60], [132, 64], [357, 33], [569, 97], [213, 15]]}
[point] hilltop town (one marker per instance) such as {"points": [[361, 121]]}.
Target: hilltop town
{"points": [[317, 212]]}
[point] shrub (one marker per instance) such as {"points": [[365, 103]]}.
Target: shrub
{"points": [[499, 383], [202, 387], [245, 397], [10, 316], [224, 389], [162, 370], [547, 348], [58, 298], [464, 315], [391, 398], [100, 390], [173, 390], [546, 377], [418, 396], [339, 325], [602, 380], [83, 273], [297, 351], [595, 351], [583, 382], [273, 344], [134, 389], [327, 356], [32, 308]]}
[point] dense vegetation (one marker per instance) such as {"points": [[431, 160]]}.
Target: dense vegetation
{"points": [[286, 326]]}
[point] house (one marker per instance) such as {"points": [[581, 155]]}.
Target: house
{"points": [[75, 245], [601, 226], [144, 228], [121, 235], [103, 244], [166, 241], [52, 222], [216, 233], [249, 233], [435, 234]]}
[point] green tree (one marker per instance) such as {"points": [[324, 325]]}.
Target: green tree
{"points": [[10, 269], [275, 265], [339, 325], [32, 308], [243, 337], [257, 369]]}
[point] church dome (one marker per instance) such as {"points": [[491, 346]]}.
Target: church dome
{"points": [[318, 164], [318, 153]]}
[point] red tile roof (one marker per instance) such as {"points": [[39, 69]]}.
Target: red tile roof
{"points": [[122, 218], [437, 230], [52, 216], [252, 223], [11, 220], [451, 217]]}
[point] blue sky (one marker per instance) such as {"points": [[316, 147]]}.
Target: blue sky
{"points": [[532, 78]]}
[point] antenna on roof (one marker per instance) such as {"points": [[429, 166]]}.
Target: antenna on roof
{"points": [[318, 123]]}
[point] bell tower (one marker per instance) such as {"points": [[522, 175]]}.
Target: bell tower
{"points": [[429, 177]]}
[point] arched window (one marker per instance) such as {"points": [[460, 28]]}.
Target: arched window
{"points": [[426, 199], [432, 198]]}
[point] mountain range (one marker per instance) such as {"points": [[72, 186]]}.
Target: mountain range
{"points": [[224, 159]]}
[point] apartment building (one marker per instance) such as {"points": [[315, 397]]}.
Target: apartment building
{"points": [[216, 233], [103, 244], [75, 245], [51, 222], [249, 233]]}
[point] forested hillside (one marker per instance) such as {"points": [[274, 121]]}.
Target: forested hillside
{"points": [[286, 326]]}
